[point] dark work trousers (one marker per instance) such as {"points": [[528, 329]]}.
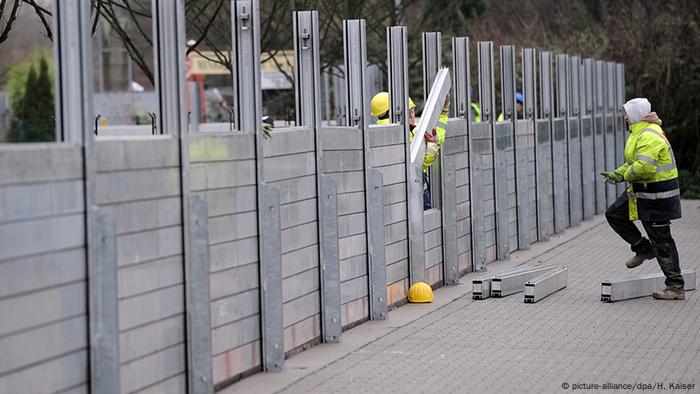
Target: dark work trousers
{"points": [[427, 203], [660, 241]]}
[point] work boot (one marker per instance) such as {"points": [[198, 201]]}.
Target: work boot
{"points": [[669, 294], [638, 259]]}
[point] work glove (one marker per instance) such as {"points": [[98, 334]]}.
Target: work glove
{"points": [[612, 177], [267, 128]]}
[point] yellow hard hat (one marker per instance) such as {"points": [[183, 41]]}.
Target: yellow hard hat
{"points": [[380, 103], [420, 292]]}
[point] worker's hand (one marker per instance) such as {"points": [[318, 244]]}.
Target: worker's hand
{"points": [[446, 105], [430, 137], [612, 177]]}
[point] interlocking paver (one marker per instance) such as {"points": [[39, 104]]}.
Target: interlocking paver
{"points": [[504, 345]]}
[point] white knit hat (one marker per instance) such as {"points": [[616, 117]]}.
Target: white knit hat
{"points": [[636, 109]]}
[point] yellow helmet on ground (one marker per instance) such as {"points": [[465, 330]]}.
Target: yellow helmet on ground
{"points": [[380, 104], [420, 292]]}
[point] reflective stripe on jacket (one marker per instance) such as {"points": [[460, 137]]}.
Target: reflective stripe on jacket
{"points": [[650, 168], [477, 112]]}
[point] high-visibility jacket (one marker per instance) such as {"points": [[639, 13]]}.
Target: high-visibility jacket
{"points": [[650, 169], [432, 149], [477, 112]]}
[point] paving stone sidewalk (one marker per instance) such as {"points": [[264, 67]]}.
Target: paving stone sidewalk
{"points": [[570, 338]]}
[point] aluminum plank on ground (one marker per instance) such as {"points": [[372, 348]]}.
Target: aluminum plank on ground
{"points": [[511, 283], [624, 289], [545, 285]]}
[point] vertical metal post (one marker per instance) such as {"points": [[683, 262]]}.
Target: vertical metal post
{"points": [[523, 149], [503, 142], [432, 62], [355, 48], [245, 30], [508, 82], [308, 104], [460, 76], [397, 46], [170, 84], [587, 143], [599, 136], [610, 148], [559, 147], [432, 59], [486, 82], [619, 115], [74, 112], [543, 149], [574, 141]]}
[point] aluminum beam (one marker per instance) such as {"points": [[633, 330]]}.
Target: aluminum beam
{"points": [[508, 81], [397, 60], [511, 283], [624, 289], [477, 206], [486, 81], [460, 77], [307, 73], [481, 286], [544, 285]]}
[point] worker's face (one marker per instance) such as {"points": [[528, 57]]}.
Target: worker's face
{"points": [[519, 107], [411, 117]]}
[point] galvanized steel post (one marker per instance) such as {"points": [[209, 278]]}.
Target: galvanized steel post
{"points": [[397, 46], [543, 150], [74, 82], [432, 62], [619, 114], [610, 145], [599, 136], [587, 144], [574, 140], [503, 147], [460, 77], [245, 30], [308, 105], [355, 50], [559, 148], [524, 136], [170, 85]]}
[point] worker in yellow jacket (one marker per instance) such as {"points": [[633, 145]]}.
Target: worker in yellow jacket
{"points": [[653, 196], [380, 108]]}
